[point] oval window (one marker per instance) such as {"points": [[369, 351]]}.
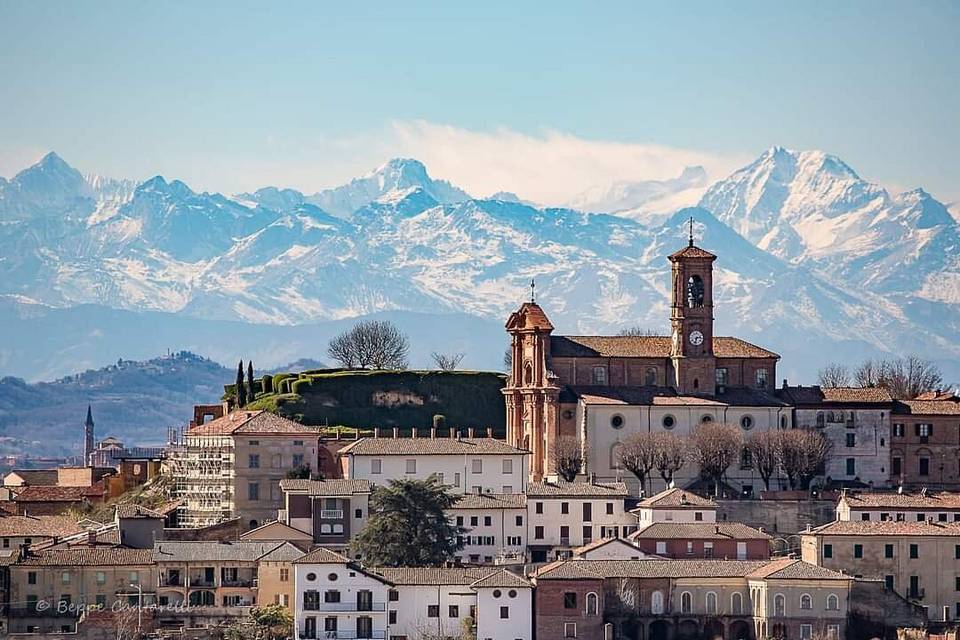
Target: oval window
{"points": [[616, 422], [332, 577], [706, 418], [669, 422], [512, 593], [311, 577], [496, 593], [746, 422], [567, 414]]}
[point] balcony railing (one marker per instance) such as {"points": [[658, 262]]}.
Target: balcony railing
{"points": [[564, 542], [320, 634], [331, 514], [238, 582], [349, 606]]}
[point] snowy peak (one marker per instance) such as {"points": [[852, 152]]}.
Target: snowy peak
{"points": [[398, 174], [648, 201], [49, 185], [922, 210]]}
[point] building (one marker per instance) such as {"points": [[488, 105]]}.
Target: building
{"points": [[923, 450], [233, 465], [30, 477], [680, 540], [88, 437], [918, 560], [50, 588], [465, 465], [275, 575], [675, 505], [55, 500], [564, 515], [494, 527], [600, 389], [857, 424], [900, 506], [610, 549], [664, 599], [16, 531], [331, 511]]}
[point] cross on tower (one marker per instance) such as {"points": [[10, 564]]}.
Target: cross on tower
{"points": [[533, 291], [691, 231]]}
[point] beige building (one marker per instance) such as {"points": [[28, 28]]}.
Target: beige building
{"points": [[275, 583], [232, 466], [918, 506], [16, 531], [918, 560]]}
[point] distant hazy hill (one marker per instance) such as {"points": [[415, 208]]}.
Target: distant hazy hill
{"points": [[135, 401]]}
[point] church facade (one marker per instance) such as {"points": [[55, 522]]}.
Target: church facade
{"points": [[600, 389]]}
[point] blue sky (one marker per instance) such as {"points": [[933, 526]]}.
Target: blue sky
{"points": [[540, 98]]}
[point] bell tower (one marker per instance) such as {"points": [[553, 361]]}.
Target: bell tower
{"points": [[691, 319]]}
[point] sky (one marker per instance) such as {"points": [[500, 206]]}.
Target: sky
{"points": [[542, 99]]}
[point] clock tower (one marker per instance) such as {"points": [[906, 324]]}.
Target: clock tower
{"points": [[691, 320]]}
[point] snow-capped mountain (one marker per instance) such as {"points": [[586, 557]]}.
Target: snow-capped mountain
{"points": [[814, 262], [647, 201]]}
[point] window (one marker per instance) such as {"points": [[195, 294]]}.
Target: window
{"points": [[924, 430], [254, 461], [761, 378], [564, 507], [924, 469], [833, 602], [393, 595], [650, 377], [453, 611], [669, 422], [331, 595], [721, 374], [661, 547], [538, 507], [746, 459], [311, 600], [538, 533], [914, 551], [569, 629], [474, 521], [476, 465], [507, 466], [888, 551], [504, 613], [519, 521], [284, 574], [888, 582], [592, 604], [806, 632], [616, 421], [711, 603], [587, 512], [134, 577], [433, 611], [487, 521], [858, 551], [898, 430], [920, 517], [828, 551], [686, 602], [101, 578], [412, 465], [746, 422], [570, 600], [806, 602], [694, 291], [851, 439], [32, 577], [896, 466], [253, 491], [254, 443], [298, 459], [851, 466], [376, 466], [65, 577], [736, 604], [779, 605], [656, 602], [599, 375], [956, 551]]}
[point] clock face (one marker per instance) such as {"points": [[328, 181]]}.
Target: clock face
{"points": [[696, 337]]}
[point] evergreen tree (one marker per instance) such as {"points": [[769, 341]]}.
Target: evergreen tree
{"points": [[241, 389], [251, 390], [408, 525]]}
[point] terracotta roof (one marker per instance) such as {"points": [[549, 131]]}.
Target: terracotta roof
{"points": [[46, 477], [286, 552], [676, 498], [602, 542], [572, 489], [692, 251], [9, 557], [252, 422], [646, 347], [502, 579], [885, 528], [927, 407], [699, 531], [429, 446], [793, 569], [322, 555], [283, 532], [815, 395], [136, 511], [338, 487], [38, 526], [894, 500], [432, 575], [778, 569], [80, 556], [491, 501], [938, 394], [52, 494], [238, 551], [529, 316]]}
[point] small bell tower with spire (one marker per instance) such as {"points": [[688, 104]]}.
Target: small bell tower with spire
{"points": [[88, 437]]}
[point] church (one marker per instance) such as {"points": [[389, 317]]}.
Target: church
{"points": [[600, 389]]}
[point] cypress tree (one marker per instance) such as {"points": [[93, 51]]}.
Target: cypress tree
{"points": [[241, 389], [251, 390]]}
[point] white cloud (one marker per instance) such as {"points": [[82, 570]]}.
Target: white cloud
{"points": [[549, 168]]}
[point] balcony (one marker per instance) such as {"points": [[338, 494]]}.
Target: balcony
{"points": [[320, 634], [352, 607], [238, 582], [564, 541], [331, 514]]}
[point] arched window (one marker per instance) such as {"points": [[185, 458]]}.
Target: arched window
{"points": [[711, 603], [650, 376], [696, 383], [694, 291], [736, 604], [779, 605], [761, 378], [833, 603], [592, 604], [527, 374], [599, 375], [253, 524], [686, 602], [656, 602], [806, 602]]}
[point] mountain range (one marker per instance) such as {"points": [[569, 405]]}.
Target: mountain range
{"points": [[814, 262]]}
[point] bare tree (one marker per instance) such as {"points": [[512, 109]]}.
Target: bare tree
{"points": [[372, 344], [569, 455], [715, 446], [867, 374], [508, 359], [835, 374], [764, 447], [447, 361], [904, 378], [638, 455], [638, 331], [671, 453], [803, 453]]}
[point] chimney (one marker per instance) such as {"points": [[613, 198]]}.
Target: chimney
{"points": [[469, 432], [489, 432], [396, 432], [451, 431], [376, 432], [716, 529], [413, 432], [91, 538], [433, 434], [784, 383], [458, 433]]}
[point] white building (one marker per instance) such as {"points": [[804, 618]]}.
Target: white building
{"points": [[675, 505], [879, 506], [336, 598], [495, 527], [565, 515], [466, 465]]}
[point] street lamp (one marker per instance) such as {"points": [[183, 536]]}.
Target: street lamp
{"points": [[139, 589]]}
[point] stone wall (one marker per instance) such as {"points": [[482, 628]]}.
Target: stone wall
{"points": [[777, 517]]}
